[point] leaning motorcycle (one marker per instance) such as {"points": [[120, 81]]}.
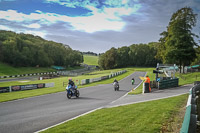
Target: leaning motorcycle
{"points": [[72, 92], [116, 86]]}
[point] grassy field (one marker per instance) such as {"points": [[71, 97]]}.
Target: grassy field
{"points": [[91, 60], [6, 70], [188, 78], [147, 117]]}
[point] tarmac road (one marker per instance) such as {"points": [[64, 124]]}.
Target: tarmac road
{"points": [[36, 113]]}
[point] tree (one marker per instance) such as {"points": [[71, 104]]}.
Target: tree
{"points": [[108, 59], [178, 40], [28, 50], [123, 56]]}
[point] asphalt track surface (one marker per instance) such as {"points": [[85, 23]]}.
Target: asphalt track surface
{"points": [[36, 113]]}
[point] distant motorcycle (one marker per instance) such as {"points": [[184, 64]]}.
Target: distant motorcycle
{"points": [[72, 92], [116, 86]]}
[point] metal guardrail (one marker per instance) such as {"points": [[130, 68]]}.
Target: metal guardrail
{"points": [[190, 122], [168, 83], [87, 81]]}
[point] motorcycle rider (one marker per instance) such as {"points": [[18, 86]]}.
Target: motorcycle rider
{"points": [[133, 81], [72, 84], [116, 83]]}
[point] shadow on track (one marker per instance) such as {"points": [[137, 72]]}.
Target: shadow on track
{"points": [[84, 98]]}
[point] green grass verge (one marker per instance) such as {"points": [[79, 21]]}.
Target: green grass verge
{"points": [[188, 78], [147, 117], [90, 60], [58, 84], [6, 70]]}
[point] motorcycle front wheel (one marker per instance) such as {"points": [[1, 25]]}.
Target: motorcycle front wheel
{"points": [[69, 95]]}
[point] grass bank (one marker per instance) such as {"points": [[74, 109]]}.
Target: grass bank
{"points": [[6, 70], [147, 117], [91, 60], [188, 78]]}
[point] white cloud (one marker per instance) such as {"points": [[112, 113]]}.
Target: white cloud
{"points": [[34, 25], [108, 19], [36, 33], [74, 3], [2, 27]]}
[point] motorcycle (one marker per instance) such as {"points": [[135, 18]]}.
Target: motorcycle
{"points": [[72, 91], [116, 86]]}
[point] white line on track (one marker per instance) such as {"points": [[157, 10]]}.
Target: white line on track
{"points": [[69, 119]]}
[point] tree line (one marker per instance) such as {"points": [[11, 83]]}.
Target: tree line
{"points": [[134, 55], [28, 50], [176, 46]]}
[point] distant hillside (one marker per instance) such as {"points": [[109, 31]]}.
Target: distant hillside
{"points": [[90, 53], [91, 60], [27, 50]]}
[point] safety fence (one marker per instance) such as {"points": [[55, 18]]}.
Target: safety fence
{"points": [[87, 81], [25, 87], [30, 74], [190, 122], [168, 83]]}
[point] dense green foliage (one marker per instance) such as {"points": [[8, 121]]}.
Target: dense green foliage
{"points": [[177, 44], [28, 50], [134, 55]]}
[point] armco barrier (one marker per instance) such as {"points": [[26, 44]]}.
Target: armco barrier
{"points": [[4, 89], [87, 81], [30, 74], [25, 87], [190, 119], [168, 83]]}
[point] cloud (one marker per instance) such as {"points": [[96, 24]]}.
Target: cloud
{"points": [[34, 25], [74, 3], [100, 19], [112, 23]]}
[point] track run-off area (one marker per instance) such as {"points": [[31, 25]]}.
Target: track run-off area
{"points": [[40, 112]]}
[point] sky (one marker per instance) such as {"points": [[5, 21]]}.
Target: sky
{"points": [[93, 25]]}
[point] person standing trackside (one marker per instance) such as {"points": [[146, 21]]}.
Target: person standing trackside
{"points": [[148, 81]]}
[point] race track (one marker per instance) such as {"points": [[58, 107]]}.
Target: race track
{"points": [[36, 113]]}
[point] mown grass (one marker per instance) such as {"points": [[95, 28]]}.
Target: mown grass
{"points": [[147, 117], [58, 84], [6, 70], [188, 78], [91, 60]]}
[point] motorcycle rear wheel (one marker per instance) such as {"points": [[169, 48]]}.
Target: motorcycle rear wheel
{"points": [[77, 93]]}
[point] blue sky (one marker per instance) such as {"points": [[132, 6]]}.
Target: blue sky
{"points": [[93, 25]]}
